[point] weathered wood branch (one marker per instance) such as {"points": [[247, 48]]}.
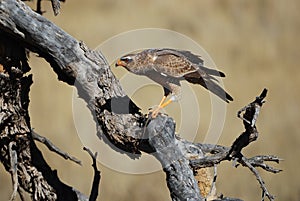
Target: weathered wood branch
{"points": [[251, 112], [54, 148], [19, 154], [118, 118], [180, 178], [97, 176]]}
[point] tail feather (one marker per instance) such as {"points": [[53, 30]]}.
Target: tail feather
{"points": [[211, 86]]}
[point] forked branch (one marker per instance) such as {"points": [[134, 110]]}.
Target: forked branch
{"points": [[75, 64], [218, 153]]}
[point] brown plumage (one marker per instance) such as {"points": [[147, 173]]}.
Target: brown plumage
{"points": [[169, 66]]}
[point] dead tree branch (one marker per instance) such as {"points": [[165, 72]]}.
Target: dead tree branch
{"points": [[54, 148], [265, 191], [97, 176], [250, 134], [251, 112], [118, 118], [55, 6], [19, 154], [180, 178]]}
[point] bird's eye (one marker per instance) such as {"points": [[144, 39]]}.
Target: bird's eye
{"points": [[126, 59]]}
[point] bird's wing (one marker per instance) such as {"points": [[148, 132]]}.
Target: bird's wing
{"points": [[168, 62], [194, 59]]}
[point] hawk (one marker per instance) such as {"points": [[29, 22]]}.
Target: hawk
{"points": [[168, 67]]}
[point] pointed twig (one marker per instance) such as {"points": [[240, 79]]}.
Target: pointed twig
{"points": [[97, 176], [54, 148], [55, 6], [265, 191], [258, 161]]}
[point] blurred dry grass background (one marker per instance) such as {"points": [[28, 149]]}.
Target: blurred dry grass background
{"points": [[255, 42]]}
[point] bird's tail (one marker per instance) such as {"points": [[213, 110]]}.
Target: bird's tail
{"points": [[211, 86]]}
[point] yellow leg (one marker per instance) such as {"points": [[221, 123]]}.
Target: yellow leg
{"points": [[166, 103], [160, 106], [162, 101]]}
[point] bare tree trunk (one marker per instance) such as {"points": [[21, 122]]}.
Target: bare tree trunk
{"points": [[75, 64], [19, 154]]}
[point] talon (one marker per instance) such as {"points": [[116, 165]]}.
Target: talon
{"points": [[154, 115]]}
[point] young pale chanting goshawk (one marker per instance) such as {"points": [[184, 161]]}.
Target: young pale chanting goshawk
{"points": [[168, 67]]}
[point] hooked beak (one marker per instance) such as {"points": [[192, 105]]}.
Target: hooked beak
{"points": [[120, 63]]}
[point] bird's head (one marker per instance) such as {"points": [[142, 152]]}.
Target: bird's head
{"points": [[126, 61]]}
